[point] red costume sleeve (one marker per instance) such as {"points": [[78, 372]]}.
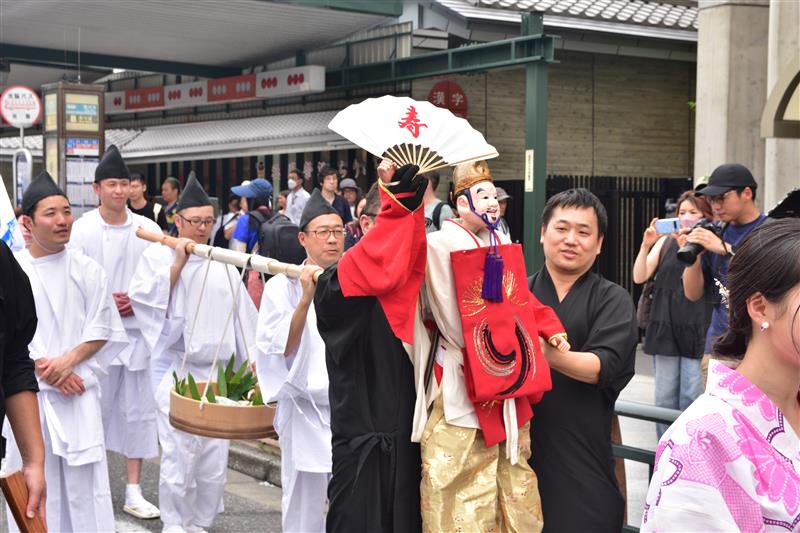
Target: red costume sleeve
{"points": [[389, 263], [546, 320]]}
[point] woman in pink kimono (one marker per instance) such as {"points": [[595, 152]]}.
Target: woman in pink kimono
{"points": [[731, 462]]}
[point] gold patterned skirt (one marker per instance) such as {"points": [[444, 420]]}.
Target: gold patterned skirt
{"points": [[468, 487]]}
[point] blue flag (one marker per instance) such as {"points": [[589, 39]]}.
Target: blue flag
{"points": [[9, 228]]}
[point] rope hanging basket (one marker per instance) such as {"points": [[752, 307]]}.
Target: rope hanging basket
{"points": [[203, 417]]}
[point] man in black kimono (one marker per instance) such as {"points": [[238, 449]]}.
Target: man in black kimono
{"points": [[18, 386], [365, 309], [571, 427]]}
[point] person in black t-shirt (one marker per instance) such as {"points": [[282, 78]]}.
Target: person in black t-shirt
{"points": [[138, 202], [329, 184], [170, 191], [571, 427], [18, 385]]}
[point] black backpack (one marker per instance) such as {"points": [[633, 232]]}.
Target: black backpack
{"points": [[436, 216], [277, 238], [219, 236]]}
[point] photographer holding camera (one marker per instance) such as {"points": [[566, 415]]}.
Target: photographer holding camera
{"points": [[731, 192]]}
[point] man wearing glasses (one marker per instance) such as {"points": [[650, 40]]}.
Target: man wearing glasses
{"points": [[176, 325], [731, 192], [291, 370]]}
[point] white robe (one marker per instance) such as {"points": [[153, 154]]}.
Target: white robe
{"points": [[129, 409], [74, 306], [299, 383], [192, 478]]}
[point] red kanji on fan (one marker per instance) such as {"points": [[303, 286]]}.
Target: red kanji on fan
{"points": [[411, 122]]}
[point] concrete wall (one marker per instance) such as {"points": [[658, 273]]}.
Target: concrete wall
{"points": [[731, 85], [608, 115], [782, 156]]}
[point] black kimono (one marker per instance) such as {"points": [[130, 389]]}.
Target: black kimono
{"points": [[376, 468], [571, 426], [17, 327]]}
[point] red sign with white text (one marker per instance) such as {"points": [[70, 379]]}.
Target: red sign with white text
{"points": [[232, 88], [269, 84], [449, 95], [144, 98]]}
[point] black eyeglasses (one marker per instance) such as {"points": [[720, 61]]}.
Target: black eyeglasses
{"points": [[324, 234], [720, 198], [198, 221]]}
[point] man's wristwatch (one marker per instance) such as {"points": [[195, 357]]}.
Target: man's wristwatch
{"points": [[729, 250]]}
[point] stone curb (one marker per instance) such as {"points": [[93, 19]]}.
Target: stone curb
{"points": [[260, 459]]}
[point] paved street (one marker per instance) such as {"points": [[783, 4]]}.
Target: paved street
{"points": [[640, 434], [250, 505], [253, 505]]}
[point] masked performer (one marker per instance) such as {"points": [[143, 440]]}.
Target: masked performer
{"points": [[488, 368]]}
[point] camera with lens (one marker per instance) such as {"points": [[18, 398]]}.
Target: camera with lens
{"points": [[688, 253]]}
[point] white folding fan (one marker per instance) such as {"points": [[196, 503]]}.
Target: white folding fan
{"points": [[408, 131]]}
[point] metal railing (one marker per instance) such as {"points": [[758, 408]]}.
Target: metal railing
{"points": [[649, 413]]}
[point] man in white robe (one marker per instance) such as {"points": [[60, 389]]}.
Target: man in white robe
{"points": [[108, 235], [291, 370], [166, 295], [78, 334]]}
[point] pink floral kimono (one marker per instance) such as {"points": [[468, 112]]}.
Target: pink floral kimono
{"points": [[729, 463]]}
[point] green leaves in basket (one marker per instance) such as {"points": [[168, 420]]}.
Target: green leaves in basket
{"points": [[238, 391], [180, 384], [222, 384], [234, 386], [229, 368], [210, 394], [238, 376], [257, 399], [193, 392]]}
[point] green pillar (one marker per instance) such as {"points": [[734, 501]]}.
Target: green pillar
{"points": [[535, 149]]}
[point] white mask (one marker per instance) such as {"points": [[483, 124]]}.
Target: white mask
{"points": [[292, 184]]}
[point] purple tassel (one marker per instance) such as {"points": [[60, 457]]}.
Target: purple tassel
{"points": [[492, 290]]}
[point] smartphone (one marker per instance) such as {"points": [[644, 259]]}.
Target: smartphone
{"points": [[665, 226]]}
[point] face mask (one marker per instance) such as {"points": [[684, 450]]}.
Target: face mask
{"points": [[688, 221], [292, 183]]}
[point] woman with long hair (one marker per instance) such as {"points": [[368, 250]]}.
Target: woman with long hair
{"points": [[676, 333], [731, 462]]}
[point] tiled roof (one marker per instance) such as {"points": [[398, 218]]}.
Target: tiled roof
{"points": [[120, 137], [635, 18], [294, 132], [267, 130], [660, 14], [234, 135]]}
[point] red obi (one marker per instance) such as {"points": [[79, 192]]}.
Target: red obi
{"points": [[502, 358]]}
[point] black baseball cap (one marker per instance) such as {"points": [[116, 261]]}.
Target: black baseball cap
{"points": [[726, 177]]}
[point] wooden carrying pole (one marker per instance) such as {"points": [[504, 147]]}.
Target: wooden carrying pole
{"points": [[16, 494], [257, 262]]}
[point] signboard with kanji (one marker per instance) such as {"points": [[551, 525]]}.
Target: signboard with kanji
{"points": [[449, 95], [82, 112], [20, 106], [295, 81]]}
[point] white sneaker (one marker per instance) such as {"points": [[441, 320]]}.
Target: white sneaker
{"points": [[136, 505], [173, 529], [195, 529]]}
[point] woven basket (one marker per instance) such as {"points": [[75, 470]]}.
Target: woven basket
{"points": [[233, 422]]}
